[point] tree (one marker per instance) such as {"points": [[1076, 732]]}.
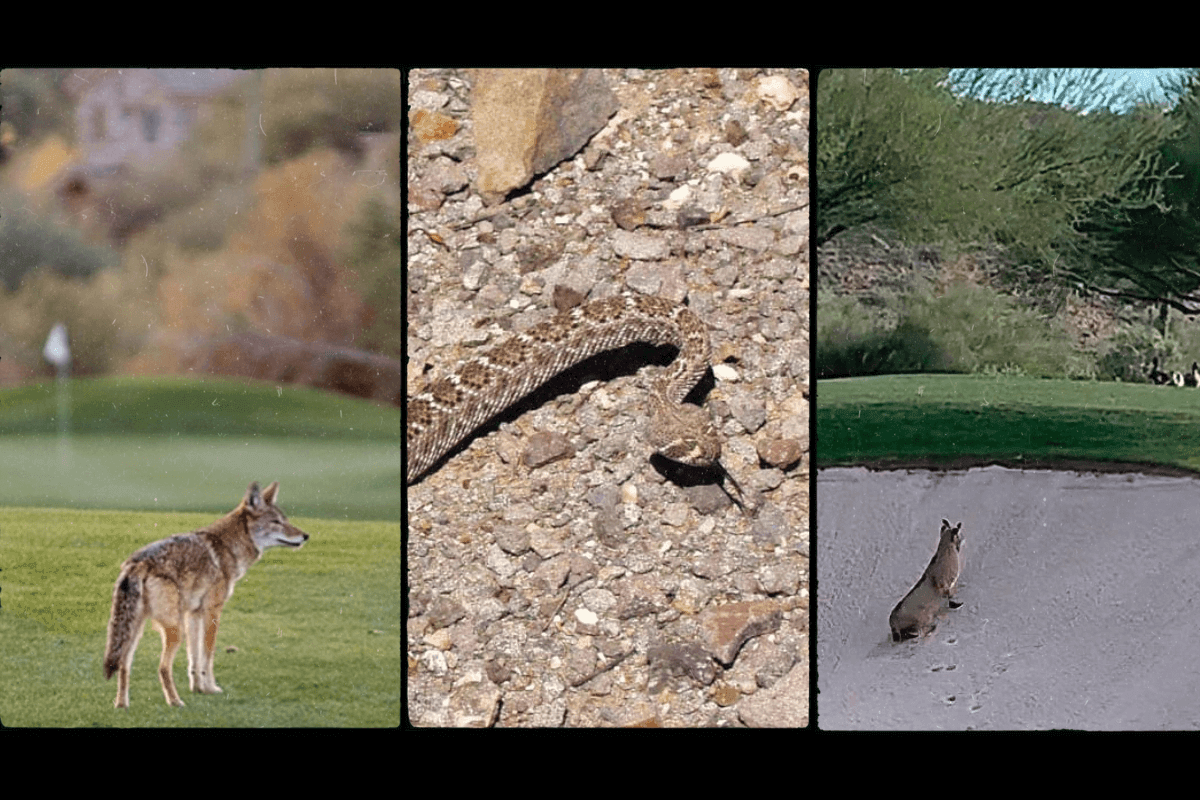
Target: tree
{"points": [[875, 128], [34, 104], [901, 149], [1149, 253]]}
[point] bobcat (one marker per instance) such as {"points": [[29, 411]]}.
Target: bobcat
{"points": [[916, 614]]}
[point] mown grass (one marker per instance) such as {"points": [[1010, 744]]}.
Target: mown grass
{"points": [[177, 444], [173, 406], [317, 630], [947, 418]]}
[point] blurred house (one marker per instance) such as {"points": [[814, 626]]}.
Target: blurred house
{"points": [[128, 122], [134, 116]]}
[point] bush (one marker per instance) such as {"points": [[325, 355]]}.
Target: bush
{"points": [[966, 329], [1128, 354], [97, 322], [981, 330], [28, 242], [315, 108], [907, 348], [374, 249]]}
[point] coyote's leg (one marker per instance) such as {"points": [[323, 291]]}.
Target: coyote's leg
{"points": [[171, 640], [126, 666], [211, 623], [206, 624]]}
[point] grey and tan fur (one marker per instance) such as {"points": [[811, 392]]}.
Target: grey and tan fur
{"points": [[181, 583], [916, 614]]}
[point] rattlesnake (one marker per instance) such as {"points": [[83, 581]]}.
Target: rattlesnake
{"points": [[440, 417]]}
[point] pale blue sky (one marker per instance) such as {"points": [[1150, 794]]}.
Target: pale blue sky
{"points": [[1121, 87]]}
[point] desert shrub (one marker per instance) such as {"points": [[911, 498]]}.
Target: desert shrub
{"points": [[204, 225], [34, 103], [1127, 355], [966, 329], [1186, 333], [98, 322], [853, 339], [906, 348], [314, 108], [980, 329], [28, 242], [374, 250]]}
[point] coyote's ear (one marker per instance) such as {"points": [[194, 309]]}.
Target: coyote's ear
{"points": [[271, 493], [252, 499]]}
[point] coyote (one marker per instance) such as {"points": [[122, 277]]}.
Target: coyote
{"points": [[916, 614], [180, 583]]}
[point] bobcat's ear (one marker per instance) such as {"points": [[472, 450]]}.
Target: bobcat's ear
{"points": [[945, 523]]}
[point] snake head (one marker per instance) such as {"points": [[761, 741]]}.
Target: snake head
{"points": [[684, 433]]}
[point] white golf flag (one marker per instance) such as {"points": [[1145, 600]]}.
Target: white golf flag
{"points": [[56, 350]]}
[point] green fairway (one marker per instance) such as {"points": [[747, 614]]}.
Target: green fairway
{"points": [[316, 630], [961, 418], [175, 444], [343, 479], [172, 406]]}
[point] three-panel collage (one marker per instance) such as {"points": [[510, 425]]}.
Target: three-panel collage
{"points": [[840, 399], [828, 399]]}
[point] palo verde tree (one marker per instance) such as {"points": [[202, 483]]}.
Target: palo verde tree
{"points": [[1149, 254], [913, 151], [877, 130]]}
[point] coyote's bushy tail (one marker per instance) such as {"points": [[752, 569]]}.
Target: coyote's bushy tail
{"points": [[127, 597]]}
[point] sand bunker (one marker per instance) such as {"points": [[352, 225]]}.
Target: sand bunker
{"points": [[1081, 601]]}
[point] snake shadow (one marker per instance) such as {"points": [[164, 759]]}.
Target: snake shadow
{"points": [[607, 366]]}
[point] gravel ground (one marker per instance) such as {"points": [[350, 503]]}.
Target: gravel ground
{"points": [[1077, 591], [593, 591]]}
